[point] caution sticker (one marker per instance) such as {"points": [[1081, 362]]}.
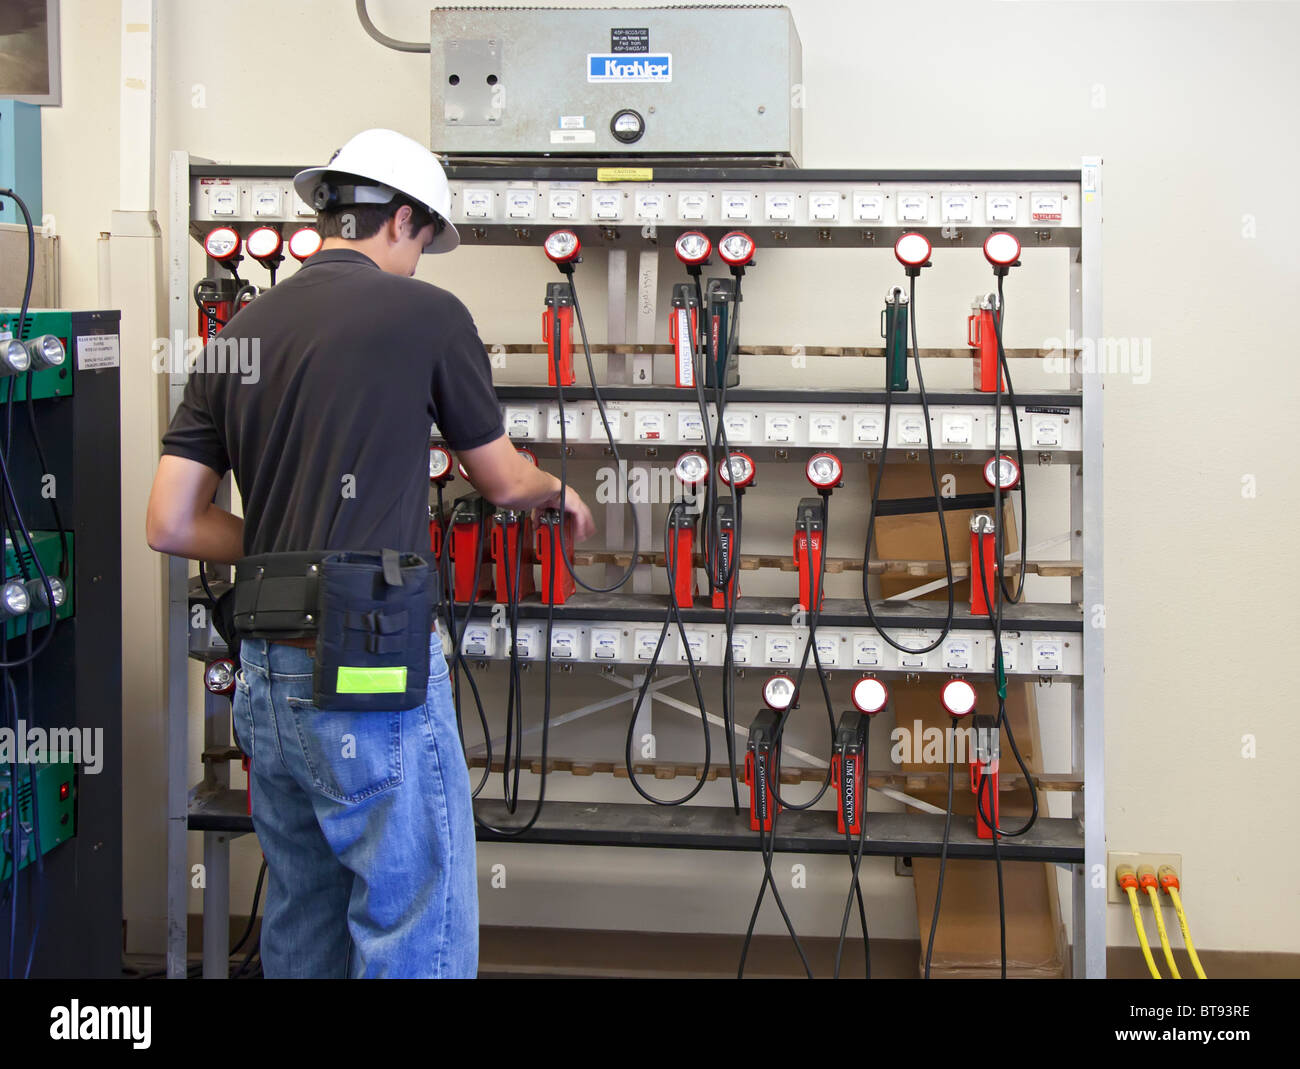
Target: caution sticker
{"points": [[625, 174]]}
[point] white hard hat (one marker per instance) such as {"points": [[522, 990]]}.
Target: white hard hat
{"points": [[395, 162]]}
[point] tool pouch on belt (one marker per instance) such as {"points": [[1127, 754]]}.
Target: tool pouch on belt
{"points": [[372, 642]]}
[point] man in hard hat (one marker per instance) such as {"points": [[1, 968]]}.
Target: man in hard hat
{"points": [[364, 818]]}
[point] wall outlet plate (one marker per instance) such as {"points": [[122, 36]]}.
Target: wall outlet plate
{"points": [[1114, 859]]}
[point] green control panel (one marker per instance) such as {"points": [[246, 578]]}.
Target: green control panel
{"points": [[50, 381], [20, 567], [56, 807]]}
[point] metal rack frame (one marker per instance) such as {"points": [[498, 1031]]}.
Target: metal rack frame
{"points": [[1077, 842]]}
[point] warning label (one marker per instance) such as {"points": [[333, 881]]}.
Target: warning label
{"points": [[95, 351]]}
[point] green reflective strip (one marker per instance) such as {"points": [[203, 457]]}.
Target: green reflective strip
{"points": [[371, 680]]}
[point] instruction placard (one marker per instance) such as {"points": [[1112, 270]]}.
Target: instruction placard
{"points": [[96, 351]]}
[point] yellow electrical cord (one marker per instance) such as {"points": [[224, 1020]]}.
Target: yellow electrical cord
{"points": [[1147, 878], [1169, 881], [1127, 879]]}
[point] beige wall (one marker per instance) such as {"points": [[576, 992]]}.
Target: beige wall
{"points": [[1187, 102]]}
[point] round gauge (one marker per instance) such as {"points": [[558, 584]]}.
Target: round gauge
{"points": [[439, 464], [264, 243], [824, 470], [778, 693], [736, 248], [1001, 249], [304, 242], [460, 470], [740, 473], [691, 469], [529, 456], [693, 248], [870, 695], [1002, 470], [958, 697], [46, 351], [627, 125], [563, 246], [219, 677], [912, 250], [222, 244]]}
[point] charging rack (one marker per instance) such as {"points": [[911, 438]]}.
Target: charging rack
{"points": [[516, 206]]}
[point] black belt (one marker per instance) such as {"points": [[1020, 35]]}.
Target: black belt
{"points": [[370, 613]]}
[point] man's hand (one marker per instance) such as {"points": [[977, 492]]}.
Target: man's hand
{"points": [[501, 474], [576, 512]]}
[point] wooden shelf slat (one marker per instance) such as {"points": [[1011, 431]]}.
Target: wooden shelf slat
{"points": [[871, 352]]}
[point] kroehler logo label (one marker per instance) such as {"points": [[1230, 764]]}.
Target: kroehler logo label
{"points": [[616, 67]]}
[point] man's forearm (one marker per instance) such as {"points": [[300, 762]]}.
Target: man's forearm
{"points": [[536, 488], [215, 535]]}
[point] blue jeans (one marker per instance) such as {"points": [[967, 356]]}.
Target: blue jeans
{"points": [[366, 823]]}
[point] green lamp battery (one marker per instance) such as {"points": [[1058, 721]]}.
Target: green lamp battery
{"points": [[893, 328], [723, 359]]}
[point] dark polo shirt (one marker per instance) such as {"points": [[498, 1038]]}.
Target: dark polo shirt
{"points": [[323, 404]]}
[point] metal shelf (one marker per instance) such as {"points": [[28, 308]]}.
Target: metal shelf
{"points": [[1077, 841], [836, 612], [1057, 840], [768, 395], [797, 831]]}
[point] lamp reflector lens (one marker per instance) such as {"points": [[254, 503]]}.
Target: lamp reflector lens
{"points": [[778, 693], [824, 470], [563, 246], [263, 243], [304, 242], [736, 248], [1001, 249], [691, 468], [693, 247], [221, 243], [958, 697], [1002, 470], [741, 470], [912, 250], [870, 695]]}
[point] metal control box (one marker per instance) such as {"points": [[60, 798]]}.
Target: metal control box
{"points": [[653, 82]]}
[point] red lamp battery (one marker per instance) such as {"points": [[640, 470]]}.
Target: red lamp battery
{"points": [[763, 805], [728, 547], [983, 563], [683, 329], [981, 335], [435, 535], [216, 305], [846, 781], [680, 561], [557, 333], [510, 528], [467, 551], [808, 552], [557, 583], [988, 798], [984, 779]]}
